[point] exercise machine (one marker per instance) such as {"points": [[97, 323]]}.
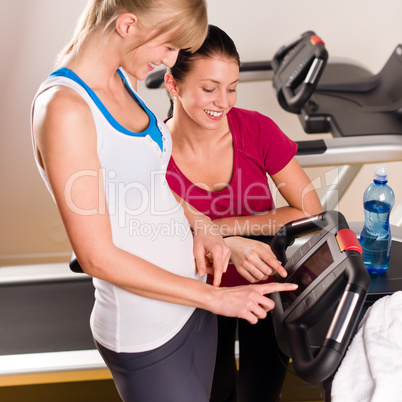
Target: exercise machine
{"points": [[314, 323]]}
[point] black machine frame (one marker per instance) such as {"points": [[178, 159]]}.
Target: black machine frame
{"points": [[314, 324]]}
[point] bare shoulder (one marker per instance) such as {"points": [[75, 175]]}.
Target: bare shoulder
{"points": [[60, 102], [62, 120], [61, 109]]}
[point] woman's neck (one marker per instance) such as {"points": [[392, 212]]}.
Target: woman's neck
{"points": [[96, 61], [191, 136], [203, 156]]}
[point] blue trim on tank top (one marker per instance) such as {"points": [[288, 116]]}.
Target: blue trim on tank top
{"points": [[152, 130]]}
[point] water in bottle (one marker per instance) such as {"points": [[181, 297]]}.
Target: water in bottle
{"points": [[375, 237]]}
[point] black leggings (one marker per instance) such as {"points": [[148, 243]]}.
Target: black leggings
{"points": [[181, 370], [262, 368]]}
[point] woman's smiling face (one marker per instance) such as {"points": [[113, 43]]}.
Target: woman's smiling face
{"points": [[142, 60], [208, 91]]}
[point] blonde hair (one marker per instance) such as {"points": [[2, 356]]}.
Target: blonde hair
{"points": [[188, 20]]}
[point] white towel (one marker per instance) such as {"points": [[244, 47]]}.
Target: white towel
{"points": [[372, 367]]}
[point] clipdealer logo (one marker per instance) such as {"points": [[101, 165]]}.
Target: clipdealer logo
{"points": [[124, 200]]}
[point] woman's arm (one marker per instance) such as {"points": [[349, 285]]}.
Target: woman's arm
{"points": [[65, 139], [254, 260], [298, 191]]}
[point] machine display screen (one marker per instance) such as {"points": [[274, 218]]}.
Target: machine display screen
{"points": [[307, 273]]}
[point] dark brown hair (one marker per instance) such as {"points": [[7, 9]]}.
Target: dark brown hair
{"points": [[217, 44]]}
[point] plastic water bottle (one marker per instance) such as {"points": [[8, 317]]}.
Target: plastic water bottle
{"points": [[375, 237]]}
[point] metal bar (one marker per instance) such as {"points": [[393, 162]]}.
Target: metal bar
{"points": [[356, 150]]}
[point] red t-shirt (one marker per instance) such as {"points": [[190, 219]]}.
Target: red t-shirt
{"points": [[260, 147]]}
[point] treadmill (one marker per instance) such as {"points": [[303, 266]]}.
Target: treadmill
{"points": [[363, 113]]}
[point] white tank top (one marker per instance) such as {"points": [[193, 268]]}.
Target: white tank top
{"points": [[146, 220]]}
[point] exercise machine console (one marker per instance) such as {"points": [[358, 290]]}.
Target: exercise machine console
{"points": [[314, 323]]}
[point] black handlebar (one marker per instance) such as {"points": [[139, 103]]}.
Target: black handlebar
{"points": [[297, 69], [317, 367], [343, 286]]}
